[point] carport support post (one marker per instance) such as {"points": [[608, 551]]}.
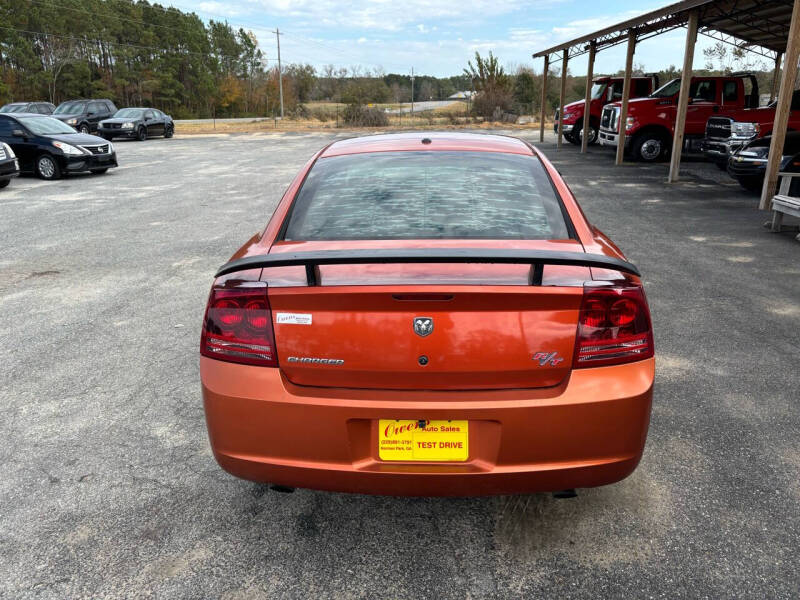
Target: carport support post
{"points": [[782, 110], [683, 98], [587, 106], [544, 96], [776, 73], [562, 97], [626, 95]]}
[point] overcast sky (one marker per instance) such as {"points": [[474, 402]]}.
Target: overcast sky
{"points": [[437, 37]]}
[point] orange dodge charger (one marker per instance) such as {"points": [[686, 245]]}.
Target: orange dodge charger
{"points": [[428, 315]]}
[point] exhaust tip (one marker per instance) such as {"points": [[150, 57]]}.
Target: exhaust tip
{"points": [[564, 494], [283, 489]]}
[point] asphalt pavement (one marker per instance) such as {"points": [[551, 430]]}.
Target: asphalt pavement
{"points": [[107, 484]]}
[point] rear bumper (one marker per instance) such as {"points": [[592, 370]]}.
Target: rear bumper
{"points": [[588, 431]]}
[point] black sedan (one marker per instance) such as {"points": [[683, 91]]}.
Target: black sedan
{"points": [[51, 148], [748, 165], [9, 165], [138, 123]]}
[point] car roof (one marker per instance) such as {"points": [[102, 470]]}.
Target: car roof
{"points": [[24, 114], [439, 141]]}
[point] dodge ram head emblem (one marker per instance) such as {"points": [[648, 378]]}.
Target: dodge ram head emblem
{"points": [[423, 326]]}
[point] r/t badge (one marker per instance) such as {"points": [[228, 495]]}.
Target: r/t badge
{"points": [[545, 359]]}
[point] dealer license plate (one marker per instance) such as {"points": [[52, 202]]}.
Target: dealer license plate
{"points": [[440, 441]]}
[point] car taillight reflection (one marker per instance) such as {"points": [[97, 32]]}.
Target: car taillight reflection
{"points": [[613, 327], [238, 325]]}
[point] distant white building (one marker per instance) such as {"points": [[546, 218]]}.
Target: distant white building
{"points": [[461, 96]]}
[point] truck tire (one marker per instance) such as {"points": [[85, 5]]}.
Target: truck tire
{"points": [[578, 137], [649, 146]]}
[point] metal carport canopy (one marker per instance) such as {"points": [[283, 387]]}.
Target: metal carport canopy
{"points": [[758, 26], [770, 28]]}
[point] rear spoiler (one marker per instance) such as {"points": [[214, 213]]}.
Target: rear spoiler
{"points": [[535, 258]]}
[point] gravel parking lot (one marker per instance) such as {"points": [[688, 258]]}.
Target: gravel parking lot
{"points": [[108, 488]]}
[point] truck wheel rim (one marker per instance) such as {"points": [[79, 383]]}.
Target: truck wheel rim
{"points": [[592, 134], [46, 167], [651, 149], [84, 129]]}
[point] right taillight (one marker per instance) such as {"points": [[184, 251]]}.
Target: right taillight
{"points": [[238, 325], [613, 327]]}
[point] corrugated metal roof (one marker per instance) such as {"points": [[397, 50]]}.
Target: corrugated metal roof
{"points": [[750, 22]]}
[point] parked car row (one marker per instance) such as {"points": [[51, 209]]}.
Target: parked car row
{"points": [[724, 123], [52, 145]]}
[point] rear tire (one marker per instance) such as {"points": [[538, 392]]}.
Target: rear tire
{"points": [[141, 134], [649, 147], [4, 183], [169, 132], [751, 184], [47, 168]]}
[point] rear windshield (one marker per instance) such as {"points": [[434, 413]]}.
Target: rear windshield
{"points": [[427, 195]]}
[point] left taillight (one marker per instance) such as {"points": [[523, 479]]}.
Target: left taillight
{"points": [[613, 327], [238, 325]]}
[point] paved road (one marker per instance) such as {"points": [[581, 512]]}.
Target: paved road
{"points": [[422, 106], [108, 488]]}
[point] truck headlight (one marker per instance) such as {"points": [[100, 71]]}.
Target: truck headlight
{"points": [[630, 123], [72, 121], [745, 130], [127, 125]]}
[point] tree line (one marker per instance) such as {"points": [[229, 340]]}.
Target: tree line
{"points": [[138, 53]]}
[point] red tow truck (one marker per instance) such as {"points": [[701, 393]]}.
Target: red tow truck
{"points": [[651, 121], [732, 129], [604, 90]]}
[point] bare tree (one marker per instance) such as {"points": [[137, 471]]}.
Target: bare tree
{"points": [[56, 54]]}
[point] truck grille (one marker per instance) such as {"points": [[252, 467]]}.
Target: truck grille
{"points": [[718, 128], [608, 119]]}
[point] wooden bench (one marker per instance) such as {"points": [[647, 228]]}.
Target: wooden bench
{"points": [[784, 204]]}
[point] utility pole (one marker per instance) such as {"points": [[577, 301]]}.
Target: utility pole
{"points": [[277, 33], [412, 91]]}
